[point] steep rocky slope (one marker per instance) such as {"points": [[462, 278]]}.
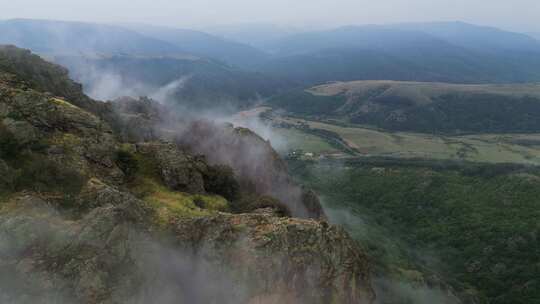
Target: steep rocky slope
{"points": [[109, 203]]}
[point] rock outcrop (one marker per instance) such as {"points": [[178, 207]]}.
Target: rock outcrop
{"points": [[178, 170], [110, 255], [285, 260]]}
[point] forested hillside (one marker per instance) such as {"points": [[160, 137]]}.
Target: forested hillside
{"points": [[421, 107]]}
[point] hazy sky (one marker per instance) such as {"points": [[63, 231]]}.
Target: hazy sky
{"points": [[519, 15]]}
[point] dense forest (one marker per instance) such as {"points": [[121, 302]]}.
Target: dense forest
{"points": [[480, 221]]}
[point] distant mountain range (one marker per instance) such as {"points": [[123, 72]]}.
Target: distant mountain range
{"points": [[535, 35], [447, 52], [192, 82], [59, 37], [134, 60], [261, 61], [259, 35], [473, 37], [205, 45]]}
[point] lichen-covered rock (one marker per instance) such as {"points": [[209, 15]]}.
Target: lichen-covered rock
{"points": [[140, 119], [97, 194], [73, 136], [111, 255], [46, 257], [284, 260], [178, 170], [26, 70], [23, 131]]}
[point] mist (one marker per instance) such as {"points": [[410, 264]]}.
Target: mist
{"points": [[145, 270]]}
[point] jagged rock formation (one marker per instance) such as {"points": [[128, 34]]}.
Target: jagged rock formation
{"points": [[256, 164], [178, 170], [286, 260], [91, 214]]}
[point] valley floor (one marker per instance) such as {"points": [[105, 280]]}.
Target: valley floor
{"points": [[343, 140]]}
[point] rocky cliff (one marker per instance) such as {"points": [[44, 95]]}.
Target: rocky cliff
{"points": [[115, 203]]}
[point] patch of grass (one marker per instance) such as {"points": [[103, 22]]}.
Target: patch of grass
{"points": [[297, 140], [67, 141], [168, 204], [211, 202], [171, 204], [63, 103], [148, 166]]}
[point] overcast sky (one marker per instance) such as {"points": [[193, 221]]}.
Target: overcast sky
{"points": [[518, 15]]}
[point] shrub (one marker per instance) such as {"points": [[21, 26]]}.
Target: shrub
{"points": [[9, 145], [249, 203], [221, 180], [43, 175], [269, 202], [127, 162]]}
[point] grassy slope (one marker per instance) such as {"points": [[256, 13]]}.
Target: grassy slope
{"points": [[422, 92], [297, 139]]}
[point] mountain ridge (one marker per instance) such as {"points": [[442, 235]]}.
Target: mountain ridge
{"points": [[97, 213], [443, 52]]}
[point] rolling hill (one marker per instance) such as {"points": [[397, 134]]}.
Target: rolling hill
{"points": [[422, 107], [480, 38], [443, 52], [205, 45], [259, 35], [193, 82], [75, 38], [60, 37]]}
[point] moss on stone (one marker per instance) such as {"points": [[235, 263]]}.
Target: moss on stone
{"points": [[66, 140], [63, 103]]}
